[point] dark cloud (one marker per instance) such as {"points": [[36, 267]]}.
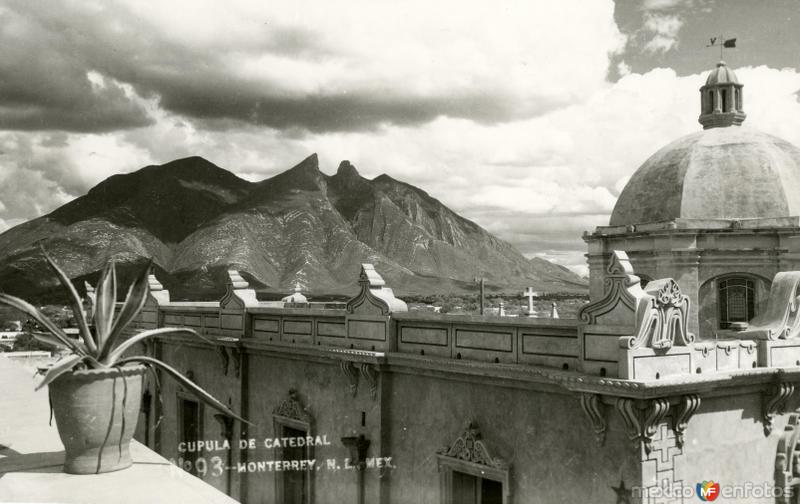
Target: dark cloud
{"points": [[44, 84], [50, 47]]}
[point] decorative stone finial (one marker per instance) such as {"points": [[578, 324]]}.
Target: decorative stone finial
{"points": [[374, 292], [238, 288], [236, 281], [157, 290], [721, 103]]}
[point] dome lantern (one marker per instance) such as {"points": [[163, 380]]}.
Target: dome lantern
{"points": [[721, 102]]}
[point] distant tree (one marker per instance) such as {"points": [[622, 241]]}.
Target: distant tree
{"points": [[27, 343]]}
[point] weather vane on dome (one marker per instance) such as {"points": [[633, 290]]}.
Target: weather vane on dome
{"points": [[723, 43]]}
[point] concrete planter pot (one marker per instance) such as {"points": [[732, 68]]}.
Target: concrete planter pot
{"points": [[96, 412]]}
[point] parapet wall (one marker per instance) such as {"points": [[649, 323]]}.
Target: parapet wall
{"points": [[628, 364], [374, 320]]}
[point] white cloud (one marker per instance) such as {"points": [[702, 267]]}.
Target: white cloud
{"points": [[664, 28], [537, 182], [417, 47]]}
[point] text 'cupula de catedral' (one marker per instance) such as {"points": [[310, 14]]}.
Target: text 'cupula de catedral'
{"points": [[212, 445]]}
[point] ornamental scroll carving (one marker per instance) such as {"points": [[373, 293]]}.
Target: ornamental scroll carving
{"points": [[370, 375], [781, 319], [593, 407], [238, 292], [661, 317], [787, 460], [657, 317], [773, 402], [470, 447], [351, 373], [375, 294], [291, 407], [642, 424], [687, 407]]}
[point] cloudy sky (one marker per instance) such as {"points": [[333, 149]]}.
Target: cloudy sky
{"points": [[526, 116]]}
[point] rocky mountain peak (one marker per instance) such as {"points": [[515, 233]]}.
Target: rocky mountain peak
{"points": [[197, 220], [346, 169], [309, 165]]}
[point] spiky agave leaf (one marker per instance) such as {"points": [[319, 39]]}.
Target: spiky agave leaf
{"points": [[134, 302], [117, 352], [75, 303], [41, 318], [59, 368], [48, 339], [105, 303], [185, 382]]}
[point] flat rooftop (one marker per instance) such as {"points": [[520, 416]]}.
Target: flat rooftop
{"points": [[31, 459]]}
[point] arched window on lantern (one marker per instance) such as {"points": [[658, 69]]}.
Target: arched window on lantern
{"points": [[737, 300]]}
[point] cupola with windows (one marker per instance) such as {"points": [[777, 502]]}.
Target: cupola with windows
{"points": [[721, 99]]}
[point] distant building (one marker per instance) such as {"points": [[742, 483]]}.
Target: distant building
{"points": [[8, 338], [296, 297]]}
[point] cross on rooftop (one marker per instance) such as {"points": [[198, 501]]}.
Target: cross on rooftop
{"points": [[530, 294]]}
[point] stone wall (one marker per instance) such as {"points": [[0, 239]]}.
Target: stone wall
{"points": [[537, 414]]}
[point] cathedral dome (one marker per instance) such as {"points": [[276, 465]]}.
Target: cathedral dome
{"points": [[722, 172], [717, 173]]}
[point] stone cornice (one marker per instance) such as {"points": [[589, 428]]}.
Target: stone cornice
{"points": [[518, 375], [558, 324], [295, 312], [688, 228]]}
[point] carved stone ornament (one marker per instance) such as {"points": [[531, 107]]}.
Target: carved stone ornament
{"points": [[225, 358], [687, 407], [471, 448], [594, 409], [236, 353], [225, 425], [292, 407], [375, 293], [787, 460], [370, 375], [620, 286], [657, 316], [774, 401], [351, 373], [661, 317], [228, 354], [781, 319], [238, 292], [157, 291], [640, 425]]}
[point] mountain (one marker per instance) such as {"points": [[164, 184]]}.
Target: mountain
{"points": [[196, 220]]}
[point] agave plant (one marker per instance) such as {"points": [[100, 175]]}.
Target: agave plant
{"points": [[104, 346]]}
